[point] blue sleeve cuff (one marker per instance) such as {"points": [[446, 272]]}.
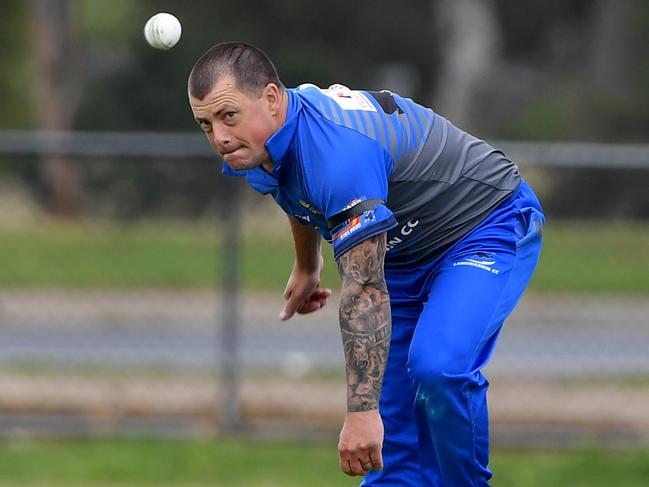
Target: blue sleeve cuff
{"points": [[342, 242]]}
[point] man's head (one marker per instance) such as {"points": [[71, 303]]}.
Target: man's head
{"points": [[238, 101]]}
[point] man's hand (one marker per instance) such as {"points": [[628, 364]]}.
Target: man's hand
{"points": [[303, 293], [361, 440]]}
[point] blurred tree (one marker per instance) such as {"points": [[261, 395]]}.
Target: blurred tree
{"points": [[471, 46], [535, 70], [15, 59], [608, 95], [57, 89], [612, 45]]}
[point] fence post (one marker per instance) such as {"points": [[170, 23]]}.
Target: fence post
{"points": [[230, 322]]}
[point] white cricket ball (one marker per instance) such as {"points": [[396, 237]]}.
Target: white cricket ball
{"points": [[162, 31]]}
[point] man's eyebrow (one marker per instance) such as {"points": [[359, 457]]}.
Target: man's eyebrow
{"points": [[216, 114], [226, 107]]}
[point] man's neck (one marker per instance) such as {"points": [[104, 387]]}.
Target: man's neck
{"points": [[283, 110], [280, 120]]}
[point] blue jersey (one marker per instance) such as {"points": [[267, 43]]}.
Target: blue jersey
{"points": [[407, 170]]}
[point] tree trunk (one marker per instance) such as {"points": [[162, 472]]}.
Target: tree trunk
{"points": [[612, 46], [470, 47], [56, 86]]}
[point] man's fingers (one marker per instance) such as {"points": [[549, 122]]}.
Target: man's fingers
{"points": [[361, 463], [352, 467], [323, 292], [377, 459], [310, 307], [359, 468], [346, 467], [297, 302], [320, 295], [366, 465], [317, 301]]}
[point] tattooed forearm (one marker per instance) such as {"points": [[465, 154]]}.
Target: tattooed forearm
{"points": [[365, 321]]}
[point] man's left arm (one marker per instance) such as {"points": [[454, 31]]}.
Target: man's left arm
{"points": [[365, 325]]}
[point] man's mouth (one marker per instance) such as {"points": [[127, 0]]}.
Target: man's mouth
{"points": [[224, 154], [233, 154]]}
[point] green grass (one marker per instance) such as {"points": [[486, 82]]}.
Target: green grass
{"points": [[106, 256], [230, 463], [171, 463], [593, 257], [600, 257], [580, 468]]}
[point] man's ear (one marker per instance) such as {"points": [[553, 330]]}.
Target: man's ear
{"points": [[272, 95]]}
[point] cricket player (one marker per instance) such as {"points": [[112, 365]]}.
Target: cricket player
{"points": [[436, 236]]}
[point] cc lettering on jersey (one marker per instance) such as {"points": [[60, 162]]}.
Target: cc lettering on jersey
{"points": [[404, 232], [407, 228]]}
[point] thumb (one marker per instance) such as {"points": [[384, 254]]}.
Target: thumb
{"points": [[291, 306]]}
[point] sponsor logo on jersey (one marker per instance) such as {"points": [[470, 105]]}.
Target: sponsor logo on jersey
{"points": [[349, 99], [354, 224], [310, 207], [349, 227], [480, 260], [352, 203]]}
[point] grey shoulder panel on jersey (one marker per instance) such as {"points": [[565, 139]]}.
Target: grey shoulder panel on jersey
{"points": [[455, 181]]}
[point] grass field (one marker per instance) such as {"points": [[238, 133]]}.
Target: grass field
{"points": [[228, 463], [577, 257]]}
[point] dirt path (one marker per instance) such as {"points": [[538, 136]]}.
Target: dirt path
{"points": [[588, 407]]}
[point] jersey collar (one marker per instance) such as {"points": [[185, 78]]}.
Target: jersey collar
{"points": [[278, 144]]}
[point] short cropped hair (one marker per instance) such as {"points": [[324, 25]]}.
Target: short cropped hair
{"points": [[251, 69]]}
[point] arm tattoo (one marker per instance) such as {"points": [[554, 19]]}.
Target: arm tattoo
{"points": [[365, 321]]}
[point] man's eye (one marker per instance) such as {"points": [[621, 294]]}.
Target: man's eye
{"points": [[204, 125], [230, 115]]}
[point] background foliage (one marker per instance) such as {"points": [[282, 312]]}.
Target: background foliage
{"points": [[572, 71]]}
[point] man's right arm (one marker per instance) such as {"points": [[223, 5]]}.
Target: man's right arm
{"points": [[307, 242], [303, 293]]}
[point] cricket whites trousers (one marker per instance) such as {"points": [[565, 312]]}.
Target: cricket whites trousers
{"points": [[446, 318]]}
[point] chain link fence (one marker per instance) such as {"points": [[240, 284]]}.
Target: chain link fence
{"points": [[149, 304]]}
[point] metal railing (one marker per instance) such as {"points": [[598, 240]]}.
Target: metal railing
{"points": [[256, 357], [185, 145]]}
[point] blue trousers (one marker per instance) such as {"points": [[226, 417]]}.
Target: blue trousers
{"points": [[446, 318]]}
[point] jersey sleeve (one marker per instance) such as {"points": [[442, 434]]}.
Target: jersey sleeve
{"points": [[346, 176]]}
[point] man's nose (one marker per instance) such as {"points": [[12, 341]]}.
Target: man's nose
{"points": [[221, 139]]}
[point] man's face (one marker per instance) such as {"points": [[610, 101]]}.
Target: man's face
{"points": [[238, 125]]}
